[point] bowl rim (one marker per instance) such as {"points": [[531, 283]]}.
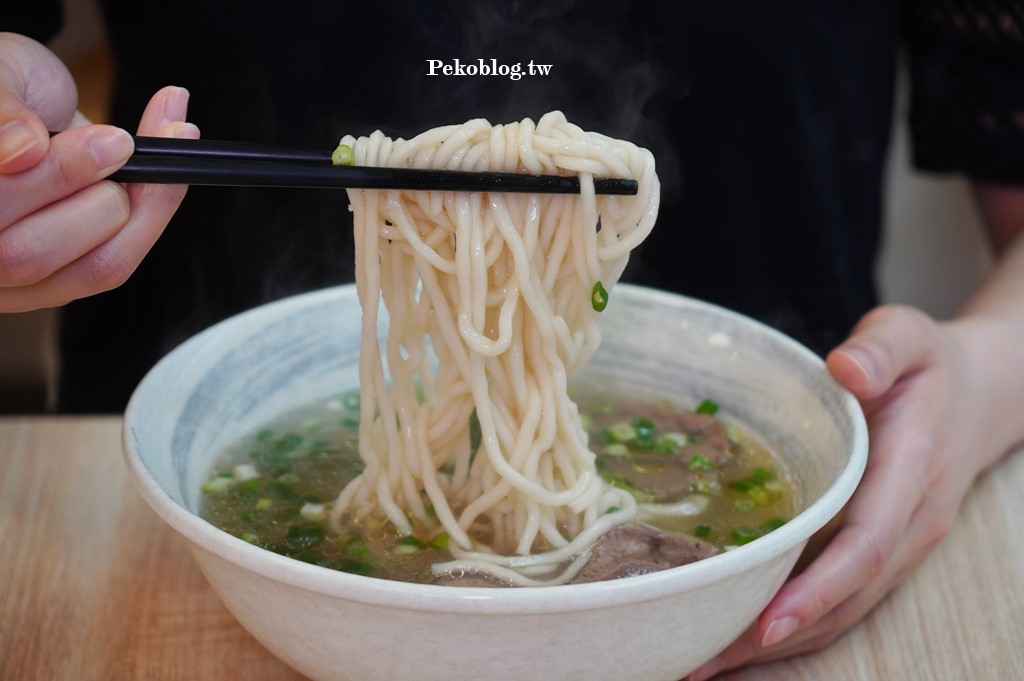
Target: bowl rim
{"points": [[514, 601]]}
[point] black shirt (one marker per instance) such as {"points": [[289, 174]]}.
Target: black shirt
{"points": [[769, 123]]}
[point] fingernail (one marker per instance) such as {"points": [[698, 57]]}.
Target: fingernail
{"points": [[862, 359], [708, 669], [181, 130], [176, 105], [110, 148], [779, 630], [16, 137]]}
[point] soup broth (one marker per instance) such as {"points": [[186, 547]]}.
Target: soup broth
{"points": [[690, 471]]}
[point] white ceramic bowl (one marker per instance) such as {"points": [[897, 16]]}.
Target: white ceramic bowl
{"points": [[230, 379]]}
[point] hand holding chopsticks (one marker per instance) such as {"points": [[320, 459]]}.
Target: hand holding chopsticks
{"points": [[206, 162], [64, 232]]}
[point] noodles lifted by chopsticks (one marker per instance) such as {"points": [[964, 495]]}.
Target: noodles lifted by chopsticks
{"points": [[493, 305]]}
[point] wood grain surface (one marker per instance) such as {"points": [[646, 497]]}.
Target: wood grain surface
{"points": [[94, 586]]}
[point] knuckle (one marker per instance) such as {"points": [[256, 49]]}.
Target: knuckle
{"points": [[108, 268], [19, 264], [67, 171], [116, 205], [874, 552]]}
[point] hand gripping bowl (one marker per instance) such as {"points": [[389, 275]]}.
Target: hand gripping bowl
{"points": [[230, 379]]}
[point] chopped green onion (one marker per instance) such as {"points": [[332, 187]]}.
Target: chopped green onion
{"points": [[251, 486], [700, 462], [622, 432], [245, 471], [356, 548], [644, 426], [599, 297], [700, 484], [744, 535], [305, 536], [666, 445], [218, 484], [313, 512], [760, 496], [263, 504], [616, 449], [709, 407], [343, 155], [744, 504], [249, 537], [773, 524], [406, 549], [679, 439], [440, 542], [408, 545], [409, 540], [703, 531]]}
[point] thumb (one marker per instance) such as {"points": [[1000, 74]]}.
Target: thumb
{"points": [[24, 139], [888, 342], [37, 94]]}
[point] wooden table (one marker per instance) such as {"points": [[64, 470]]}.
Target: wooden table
{"points": [[94, 586]]}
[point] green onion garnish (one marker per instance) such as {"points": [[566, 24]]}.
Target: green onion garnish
{"points": [[744, 535], [744, 504], [644, 426], [709, 407], [599, 297], [700, 462], [622, 432], [343, 156]]}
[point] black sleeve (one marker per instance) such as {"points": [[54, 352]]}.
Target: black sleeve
{"points": [[966, 63], [38, 19]]}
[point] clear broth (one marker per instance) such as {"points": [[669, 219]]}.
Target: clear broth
{"points": [[274, 486]]}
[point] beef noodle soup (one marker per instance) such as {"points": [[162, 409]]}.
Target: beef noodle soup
{"points": [[702, 485]]}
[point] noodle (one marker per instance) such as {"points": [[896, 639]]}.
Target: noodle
{"points": [[490, 304]]}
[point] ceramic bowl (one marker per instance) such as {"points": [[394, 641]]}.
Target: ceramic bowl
{"points": [[237, 375]]}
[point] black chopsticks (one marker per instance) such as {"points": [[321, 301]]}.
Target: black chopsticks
{"points": [[239, 164]]}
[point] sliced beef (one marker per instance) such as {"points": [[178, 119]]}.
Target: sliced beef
{"points": [[665, 478], [668, 477], [707, 431], [629, 550]]}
